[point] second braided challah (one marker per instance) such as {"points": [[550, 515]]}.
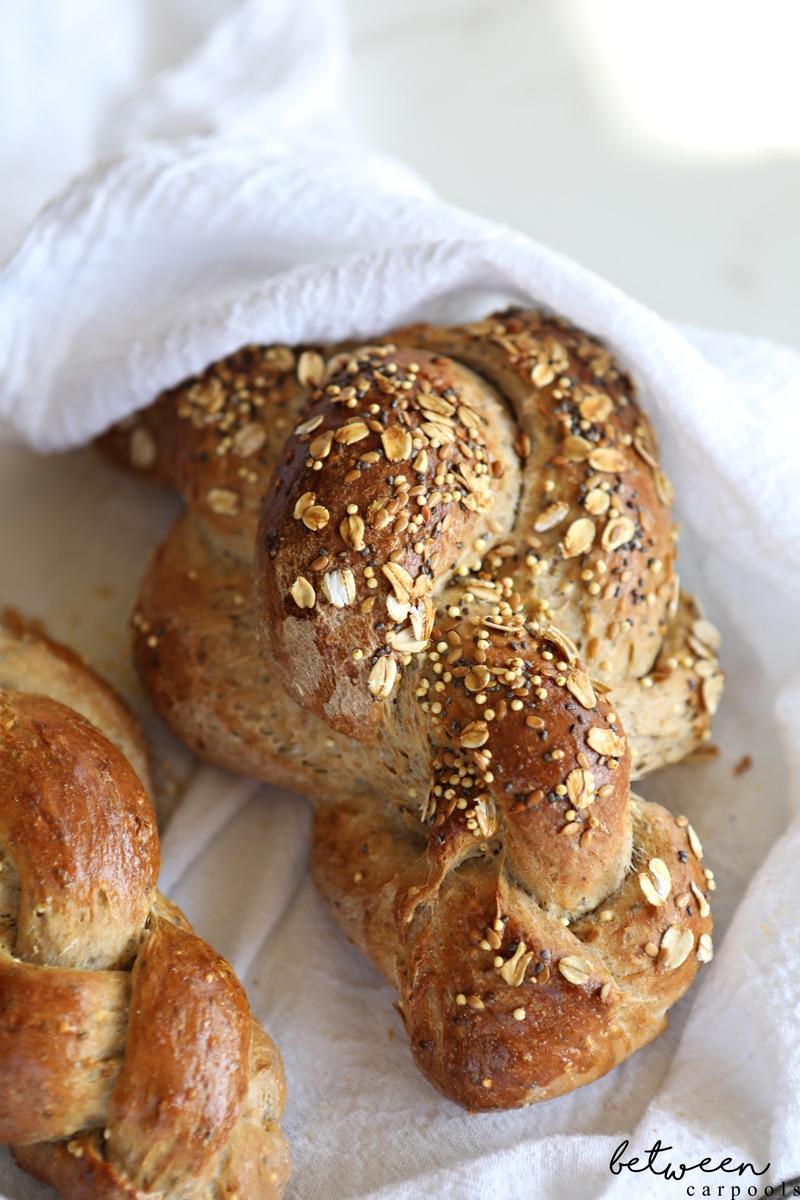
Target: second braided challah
{"points": [[130, 1064], [472, 635]]}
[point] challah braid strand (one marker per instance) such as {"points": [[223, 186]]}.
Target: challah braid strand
{"points": [[130, 1065], [399, 465], [537, 919], [594, 545]]}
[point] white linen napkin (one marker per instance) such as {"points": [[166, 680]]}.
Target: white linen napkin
{"points": [[236, 203]]}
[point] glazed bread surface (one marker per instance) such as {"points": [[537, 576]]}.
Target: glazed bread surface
{"points": [[130, 1064]]}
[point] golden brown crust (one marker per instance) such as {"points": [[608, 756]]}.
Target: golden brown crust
{"points": [[374, 509], [471, 625], [128, 1055], [671, 707], [197, 623], [90, 811], [29, 658], [594, 513], [618, 602], [505, 1005], [217, 439]]}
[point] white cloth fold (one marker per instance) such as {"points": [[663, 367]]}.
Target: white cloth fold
{"points": [[236, 203]]}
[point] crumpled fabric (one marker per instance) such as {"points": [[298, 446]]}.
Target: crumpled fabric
{"points": [[223, 195]]}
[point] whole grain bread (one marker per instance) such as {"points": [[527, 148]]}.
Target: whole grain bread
{"points": [[431, 582], [130, 1063]]}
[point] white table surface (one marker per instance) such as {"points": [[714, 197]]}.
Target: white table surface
{"points": [[657, 144]]}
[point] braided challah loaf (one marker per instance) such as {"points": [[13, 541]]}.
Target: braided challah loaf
{"points": [[130, 1065], [472, 633]]}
